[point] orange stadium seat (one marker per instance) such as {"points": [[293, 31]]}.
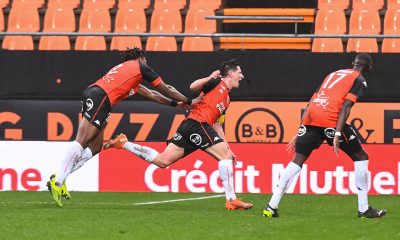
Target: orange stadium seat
{"points": [[330, 21], [362, 45], [365, 21], [368, 4], [1, 21], [391, 45], [196, 23], [64, 3], [199, 44], [99, 3], [23, 18], [166, 21], [161, 44], [392, 21], [33, 3], [393, 4], [333, 4], [136, 4], [18, 43], [205, 4], [95, 20], [54, 43], [4, 3], [90, 43], [128, 20], [175, 4], [327, 45]]}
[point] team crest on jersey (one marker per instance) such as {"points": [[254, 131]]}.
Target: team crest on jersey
{"points": [[330, 132], [196, 139], [322, 100], [302, 131], [89, 104], [177, 137]]}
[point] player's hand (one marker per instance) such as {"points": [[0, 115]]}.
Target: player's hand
{"points": [[336, 145], [198, 99], [291, 145], [215, 74]]}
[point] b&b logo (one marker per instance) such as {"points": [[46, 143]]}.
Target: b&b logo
{"points": [[259, 125]]}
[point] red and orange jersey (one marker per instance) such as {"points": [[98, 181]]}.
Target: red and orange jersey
{"points": [[214, 104], [123, 80], [325, 105]]}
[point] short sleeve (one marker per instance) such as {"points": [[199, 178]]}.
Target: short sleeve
{"points": [[357, 90], [149, 75]]}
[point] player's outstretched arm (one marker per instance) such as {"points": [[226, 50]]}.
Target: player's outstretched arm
{"points": [[197, 86], [170, 92], [157, 97]]}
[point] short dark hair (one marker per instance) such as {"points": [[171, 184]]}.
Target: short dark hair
{"points": [[230, 65], [132, 54], [363, 59]]}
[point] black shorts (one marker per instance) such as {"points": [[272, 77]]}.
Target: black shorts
{"points": [[96, 106], [192, 135], [311, 137]]}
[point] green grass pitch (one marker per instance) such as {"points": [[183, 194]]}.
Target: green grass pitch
{"points": [[32, 215]]}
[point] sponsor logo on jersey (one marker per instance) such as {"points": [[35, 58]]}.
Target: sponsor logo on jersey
{"points": [[196, 139], [322, 100]]}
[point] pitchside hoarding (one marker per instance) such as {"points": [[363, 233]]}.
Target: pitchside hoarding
{"points": [[28, 165], [273, 122]]}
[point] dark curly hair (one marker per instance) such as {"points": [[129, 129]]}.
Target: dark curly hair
{"points": [[132, 54], [227, 66]]}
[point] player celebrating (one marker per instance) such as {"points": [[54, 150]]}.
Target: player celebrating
{"points": [[119, 83], [325, 119], [195, 132]]}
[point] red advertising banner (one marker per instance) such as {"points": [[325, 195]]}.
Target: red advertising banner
{"points": [[257, 171]]}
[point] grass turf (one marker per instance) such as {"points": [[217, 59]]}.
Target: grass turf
{"points": [[32, 215]]}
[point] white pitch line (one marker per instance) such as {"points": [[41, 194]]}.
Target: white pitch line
{"points": [[116, 203], [179, 200]]}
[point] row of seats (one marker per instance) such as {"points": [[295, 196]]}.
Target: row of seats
{"points": [[60, 19], [389, 45], [358, 4], [141, 4]]}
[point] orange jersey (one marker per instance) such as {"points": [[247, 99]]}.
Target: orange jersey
{"points": [[214, 103], [325, 105], [123, 80]]}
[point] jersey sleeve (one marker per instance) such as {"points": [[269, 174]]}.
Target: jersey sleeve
{"points": [[210, 85], [357, 90], [149, 75]]}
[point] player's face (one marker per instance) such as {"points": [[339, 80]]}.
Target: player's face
{"points": [[236, 76]]}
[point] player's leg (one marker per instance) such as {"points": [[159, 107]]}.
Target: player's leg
{"points": [[308, 139], [351, 145]]}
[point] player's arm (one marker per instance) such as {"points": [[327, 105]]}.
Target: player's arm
{"points": [[156, 81], [157, 97], [197, 86]]}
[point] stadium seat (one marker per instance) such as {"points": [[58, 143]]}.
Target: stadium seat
{"points": [[99, 3], [198, 44], [128, 20], [90, 43], [205, 4], [161, 44], [330, 21], [196, 23], [166, 21], [135, 4], [1, 21], [170, 4], [59, 19], [33, 3], [333, 4], [64, 3], [18, 43], [392, 21], [391, 45], [4, 3], [393, 4], [23, 18], [95, 20], [362, 45], [327, 45], [365, 21], [368, 4], [54, 43]]}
